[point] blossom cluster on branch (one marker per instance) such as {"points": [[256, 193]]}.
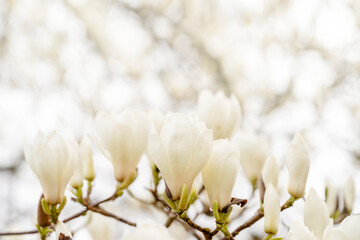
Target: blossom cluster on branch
{"points": [[180, 147]]}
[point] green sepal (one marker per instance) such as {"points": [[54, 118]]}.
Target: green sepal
{"points": [[192, 198], [183, 214], [45, 207], [216, 211], [62, 205], [184, 198], [129, 180], [169, 202]]}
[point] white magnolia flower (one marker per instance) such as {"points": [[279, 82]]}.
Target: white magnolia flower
{"points": [[62, 230], [220, 113], [270, 172], [299, 232], [180, 150], [316, 214], [349, 194], [78, 176], [219, 174], [86, 156], [347, 230], [122, 139], [100, 227], [298, 164], [319, 226], [271, 210], [331, 196], [84, 167], [148, 230], [52, 160], [254, 150]]}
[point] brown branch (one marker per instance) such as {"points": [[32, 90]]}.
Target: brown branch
{"points": [[257, 216], [109, 214]]}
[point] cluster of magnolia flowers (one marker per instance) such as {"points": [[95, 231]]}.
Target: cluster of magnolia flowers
{"points": [[180, 147]]}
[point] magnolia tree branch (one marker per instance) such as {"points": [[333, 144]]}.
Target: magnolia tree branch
{"points": [[257, 216], [89, 207]]}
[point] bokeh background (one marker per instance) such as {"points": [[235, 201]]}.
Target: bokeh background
{"points": [[294, 65]]}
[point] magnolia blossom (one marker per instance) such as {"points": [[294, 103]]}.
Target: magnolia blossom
{"points": [[349, 194], [220, 113], [100, 227], [271, 210], [298, 164], [270, 172], [84, 168], [122, 139], [148, 230], [331, 196], [62, 232], [52, 160], [180, 150], [316, 214], [86, 156], [219, 174], [318, 226], [254, 149], [347, 230]]}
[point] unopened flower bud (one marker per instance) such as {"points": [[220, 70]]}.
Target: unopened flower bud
{"points": [[253, 152], [316, 214], [349, 194], [86, 155], [298, 163], [219, 174], [271, 210], [122, 139], [331, 196], [220, 113], [270, 172], [52, 160]]}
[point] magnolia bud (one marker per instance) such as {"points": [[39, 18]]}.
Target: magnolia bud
{"points": [[349, 194], [316, 214], [51, 159], [298, 163], [299, 232], [221, 114], [331, 196], [180, 150], [270, 172], [271, 210], [122, 139], [254, 149], [86, 156], [62, 232], [78, 177], [219, 174]]}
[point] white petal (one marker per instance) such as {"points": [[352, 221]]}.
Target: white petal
{"points": [[349, 194], [350, 227], [270, 172], [62, 229], [298, 163], [271, 210], [316, 214], [299, 232], [331, 233]]}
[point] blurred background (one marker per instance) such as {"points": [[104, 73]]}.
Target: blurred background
{"points": [[294, 65]]}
